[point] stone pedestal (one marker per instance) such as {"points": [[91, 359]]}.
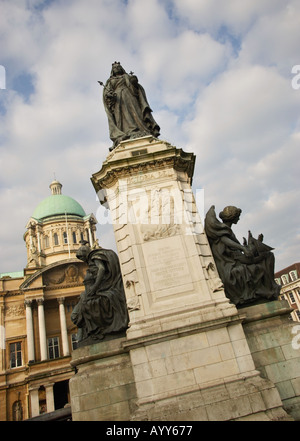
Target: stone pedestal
{"points": [[274, 343], [103, 388], [185, 356]]}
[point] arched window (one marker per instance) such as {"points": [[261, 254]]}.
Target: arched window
{"points": [[87, 235], [42, 400], [55, 237], [46, 241], [74, 237], [293, 275], [65, 236], [17, 411]]}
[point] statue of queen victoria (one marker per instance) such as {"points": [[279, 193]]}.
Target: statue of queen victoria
{"points": [[129, 114]]}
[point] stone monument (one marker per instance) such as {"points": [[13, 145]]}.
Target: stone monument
{"points": [[185, 355]]}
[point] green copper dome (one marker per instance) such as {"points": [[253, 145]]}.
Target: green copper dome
{"points": [[57, 204]]}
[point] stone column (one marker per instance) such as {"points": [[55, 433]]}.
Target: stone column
{"points": [[42, 329], [34, 401], [29, 330], [50, 397], [90, 236], [2, 336], [63, 326]]}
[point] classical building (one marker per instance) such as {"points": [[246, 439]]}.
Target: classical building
{"points": [[289, 279], [36, 332]]}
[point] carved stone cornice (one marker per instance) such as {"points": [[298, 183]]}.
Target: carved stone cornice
{"points": [[129, 165]]}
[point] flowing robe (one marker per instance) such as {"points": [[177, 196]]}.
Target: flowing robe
{"points": [[245, 279], [105, 311], [129, 114]]}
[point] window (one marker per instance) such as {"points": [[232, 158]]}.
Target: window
{"points": [[65, 236], [74, 341], [70, 306], [298, 314], [46, 242], [285, 279], [74, 237], [15, 353], [17, 411], [292, 298], [293, 275], [55, 236], [53, 347], [278, 281]]}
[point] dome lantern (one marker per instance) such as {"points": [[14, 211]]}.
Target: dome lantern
{"points": [[55, 187]]}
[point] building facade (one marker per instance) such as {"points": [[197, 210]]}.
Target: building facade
{"points": [[289, 279], [36, 331]]}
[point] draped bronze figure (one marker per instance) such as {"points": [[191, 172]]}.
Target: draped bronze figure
{"points": [[247, 271], [129, 114], [102, 310]]}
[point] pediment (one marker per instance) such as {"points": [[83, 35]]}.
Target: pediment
{"points": [[67, 272]]}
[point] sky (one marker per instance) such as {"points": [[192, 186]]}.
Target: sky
{"points": [[222, 78]]}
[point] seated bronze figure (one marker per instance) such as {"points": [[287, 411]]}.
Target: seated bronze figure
{"points": [[247, 271]]}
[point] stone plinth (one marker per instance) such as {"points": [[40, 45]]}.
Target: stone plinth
{"points": [[201, 372], [274, 344], [185, 354], [103, 388], [166, 262]]}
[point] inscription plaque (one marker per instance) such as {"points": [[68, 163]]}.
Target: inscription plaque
{"points": [[166, 265]]}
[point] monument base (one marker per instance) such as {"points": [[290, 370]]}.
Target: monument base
{"points": [[239, 399], [274, 345], [103, 388], [185, 356], [199, 373]]}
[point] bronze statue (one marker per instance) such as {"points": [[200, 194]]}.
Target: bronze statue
{"points": [[129, 114], [247, 271], [102, 311]]}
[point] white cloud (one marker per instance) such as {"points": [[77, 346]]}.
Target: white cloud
{"points": [[217, 75], [214, 15], [246, 112], [274, 39]]}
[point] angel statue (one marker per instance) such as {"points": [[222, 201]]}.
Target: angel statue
{"points": [[247, 271]]}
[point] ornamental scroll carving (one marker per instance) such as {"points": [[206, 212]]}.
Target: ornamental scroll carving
{"points": [[57, 276], [15, 311]]}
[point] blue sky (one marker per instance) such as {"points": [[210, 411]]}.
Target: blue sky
{"points": [[217, 75]]}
